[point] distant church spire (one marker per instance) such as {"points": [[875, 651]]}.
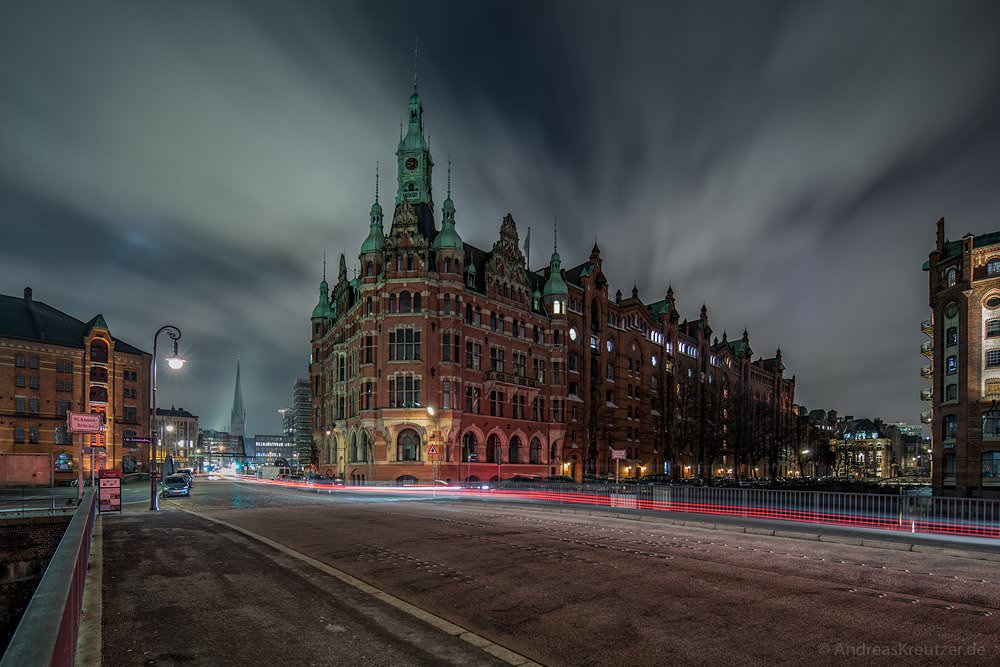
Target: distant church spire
{"points": [[238, 419]]}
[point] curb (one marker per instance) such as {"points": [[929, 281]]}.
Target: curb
{"points": [[446, 626], [90, 636], [788, 534]]}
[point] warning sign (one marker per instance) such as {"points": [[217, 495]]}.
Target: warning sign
{"points": [[432, 451]]}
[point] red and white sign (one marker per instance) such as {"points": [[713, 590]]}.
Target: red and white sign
{"points": [[84, 422], [617, 453], [109, 496], [432, 451]]}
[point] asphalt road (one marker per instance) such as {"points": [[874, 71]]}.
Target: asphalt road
{"points": [[568, 589]]}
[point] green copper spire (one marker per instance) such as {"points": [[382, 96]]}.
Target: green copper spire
{"points": [[555, 285], [376, 236], [413, 155], [322, 308], [448, 238]]}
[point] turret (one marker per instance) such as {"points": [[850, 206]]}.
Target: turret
{"points": [[322, 309], [375, 240], [555, 293], [448, 239]]}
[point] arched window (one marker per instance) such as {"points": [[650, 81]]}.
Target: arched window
{"points": [[557, 307], [365, 447], [552, 452], [468, 313], [447, 264], [993, 267], [368, 306], [354, 447], [99, 351], [370, 269], [406, 480], [99, 394], [98, 374], [991, 468], [470, 447], [447, 304], [408, 446], [535, 451], [514, 450], [951, 277], [416, 302], [404, 302], [493, 451], [399, 262], [409, 262], [392, 303]]}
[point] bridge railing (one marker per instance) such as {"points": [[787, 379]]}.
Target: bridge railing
{"points": [[48, 629], [919, 514]]}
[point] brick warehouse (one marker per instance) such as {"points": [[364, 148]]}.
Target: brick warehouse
{"points": [[510, 372], [51, 363], [964, 285]]}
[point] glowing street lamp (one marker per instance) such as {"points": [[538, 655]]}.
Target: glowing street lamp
{"points": [[175, 362]]}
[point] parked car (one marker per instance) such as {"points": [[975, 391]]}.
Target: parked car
{"points": [[658, 478], [186, 474], [175, 485]]}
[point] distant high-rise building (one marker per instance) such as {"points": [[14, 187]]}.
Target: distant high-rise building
{"points": [[238, 419], [302, 421], [271, 448]]}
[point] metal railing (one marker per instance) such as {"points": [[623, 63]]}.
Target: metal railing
{"points": [[16, 501], [510, 378], [911, 513], [48, 629]]}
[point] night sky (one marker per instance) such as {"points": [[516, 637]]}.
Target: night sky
{"points": [[189, 162]]}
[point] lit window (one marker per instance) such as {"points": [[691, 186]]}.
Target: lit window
{"points": [[654, 360], [951, 365], [593, 342], [951, 277], [557, 307], [991, 424], [610, 345], [993, 267], [951, 336]]}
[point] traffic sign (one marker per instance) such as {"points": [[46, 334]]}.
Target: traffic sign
{"points": [[617, 453], [432, 451], [84, 422]]}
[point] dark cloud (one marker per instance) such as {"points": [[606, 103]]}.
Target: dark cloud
{"points": [[785, 163]]}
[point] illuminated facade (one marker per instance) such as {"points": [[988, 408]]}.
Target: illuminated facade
{"points": [[177, 437], [443, 360], [51, 363], [964, 348]]}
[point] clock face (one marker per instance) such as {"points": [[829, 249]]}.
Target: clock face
{"points": [[411, 163], [572, 334]]}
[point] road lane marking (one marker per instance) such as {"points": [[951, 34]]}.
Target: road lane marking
{"points": [[480, 642]]}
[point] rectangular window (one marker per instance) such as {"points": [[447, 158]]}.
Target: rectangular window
{"points": [[130, 414], [33, 362], [992, 358], [950, 426], [19, 362], [496, 403], [470, 399], [62, 407], [610, 371], [446, 397], [557, 374], [574, 361], [473, 355], [33, 382], [33, 436], [992, 391], [949, 468], [404, 345], [537, 409], [19, 381], [517, 404], [520, 362], [556, 414], [19, 405], [496, 359], [18, 434], [404, 391], [446, 347], [369, 396], [951, 365], [539, 370], [368, 352]]}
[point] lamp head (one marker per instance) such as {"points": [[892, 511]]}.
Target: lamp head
{"points": [[430, 410], [175, 361]]}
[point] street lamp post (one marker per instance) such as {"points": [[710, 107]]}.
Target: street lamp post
{"points": [[175, 362]]}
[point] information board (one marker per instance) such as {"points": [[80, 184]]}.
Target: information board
{"points": [[109, 496]]}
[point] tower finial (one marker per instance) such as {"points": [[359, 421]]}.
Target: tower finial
{"points": [[324, 268], [416, 46], [555, 234], [376, 180], [449, 177]]}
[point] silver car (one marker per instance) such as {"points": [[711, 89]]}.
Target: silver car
{"points": [[175, 485]]}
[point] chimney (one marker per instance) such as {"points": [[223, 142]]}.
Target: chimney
{"points": [[940, 235], [27, 294]]}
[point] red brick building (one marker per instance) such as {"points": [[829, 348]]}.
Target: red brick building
{"points": [[51, 363], [442, 360], [964, 346]]}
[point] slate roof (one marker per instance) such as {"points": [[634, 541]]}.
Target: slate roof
{"points": [[28, 319]]}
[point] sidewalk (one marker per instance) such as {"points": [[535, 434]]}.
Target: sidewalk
{"points": [[180, 589]]}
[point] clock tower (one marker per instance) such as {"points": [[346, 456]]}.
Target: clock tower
{"points": [[413, 155]]}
